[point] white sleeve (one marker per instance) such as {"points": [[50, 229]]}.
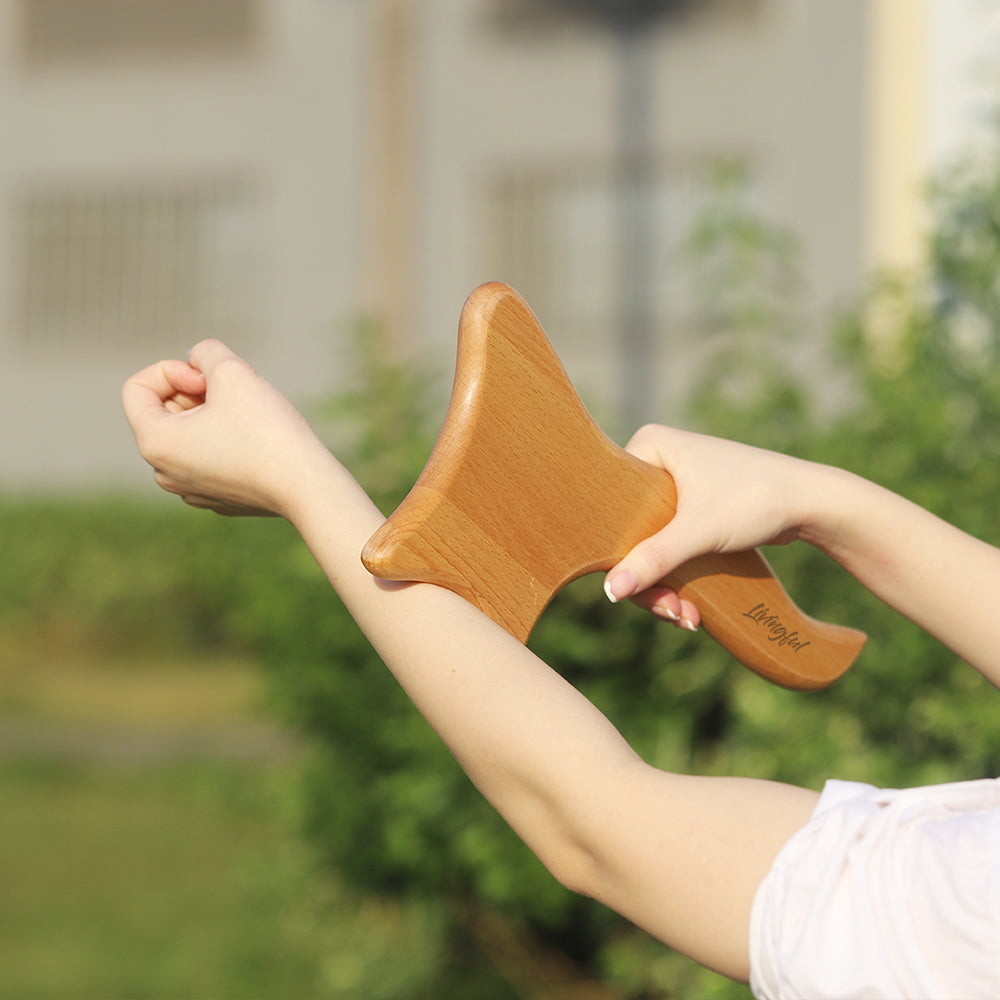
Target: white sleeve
{"points": [[884, 893]]}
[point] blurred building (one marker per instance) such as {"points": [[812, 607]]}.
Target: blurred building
{"points": [[271, 171]]}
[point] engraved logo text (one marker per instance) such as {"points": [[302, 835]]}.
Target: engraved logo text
{"points": [[777, 632]]}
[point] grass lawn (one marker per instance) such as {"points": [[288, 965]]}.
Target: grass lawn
{"points": [[165, 880], [145, 844], [149, 851]]}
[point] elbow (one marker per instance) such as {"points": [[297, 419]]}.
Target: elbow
{"points": [[582, 830], [587, 879], [570, 867], [576, 861], [574, 831]]}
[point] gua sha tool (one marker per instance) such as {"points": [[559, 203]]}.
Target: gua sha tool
{"points": [[523, 493]]}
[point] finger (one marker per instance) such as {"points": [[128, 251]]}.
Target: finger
{"points": [[185, 379], [145, 394], [667, 604], [182, 402], [655, 557], [652, 559], [207, 355], [189, 385], [203, 502], [223, 507], [200, 502], [652, 444]]}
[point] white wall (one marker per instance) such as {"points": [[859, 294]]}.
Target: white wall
{"points": [[782, 83], [964, 78]]}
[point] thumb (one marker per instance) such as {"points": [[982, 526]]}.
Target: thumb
{"points": [[207, 355], [146, 395], [652, 559], [185, 380]]}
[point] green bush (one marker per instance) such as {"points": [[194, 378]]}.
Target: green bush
{"points": [[122, 573]]}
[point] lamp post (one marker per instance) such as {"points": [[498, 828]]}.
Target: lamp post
{"points": [[630, 22]]}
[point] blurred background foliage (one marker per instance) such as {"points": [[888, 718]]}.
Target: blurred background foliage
{"points": [[405, 884]]}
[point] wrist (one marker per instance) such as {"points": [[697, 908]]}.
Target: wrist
{"points": [[323, 497], [830, 501]]}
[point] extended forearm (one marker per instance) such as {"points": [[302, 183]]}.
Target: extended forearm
{"points": [[535, 747], [930, 571]]}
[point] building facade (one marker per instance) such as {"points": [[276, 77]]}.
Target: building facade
{"points": [[273, 171]]}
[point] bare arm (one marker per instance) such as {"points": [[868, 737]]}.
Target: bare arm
{"points": [[734, 497], [930, 571], [680, 856]]}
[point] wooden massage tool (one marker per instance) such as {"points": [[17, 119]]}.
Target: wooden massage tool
{"points": [[523, 493]]}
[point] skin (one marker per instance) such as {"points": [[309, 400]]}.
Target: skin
{"points": [[679, 855], [898, 550]]}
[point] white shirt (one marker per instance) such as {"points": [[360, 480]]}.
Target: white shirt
{"points": [[884, 893]]}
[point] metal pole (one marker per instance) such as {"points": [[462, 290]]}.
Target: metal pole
{"points": [[639, 268]]}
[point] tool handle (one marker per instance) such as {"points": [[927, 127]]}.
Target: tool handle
{"points": [[747, 611]]}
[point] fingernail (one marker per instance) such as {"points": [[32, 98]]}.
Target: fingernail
{"points": [[686, 623], [620, 586], [665, 611]]}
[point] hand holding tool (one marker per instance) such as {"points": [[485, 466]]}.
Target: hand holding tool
{"points": [[524, 493]]}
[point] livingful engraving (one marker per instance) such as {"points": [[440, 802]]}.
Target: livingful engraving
{"points": [[777, 631]]}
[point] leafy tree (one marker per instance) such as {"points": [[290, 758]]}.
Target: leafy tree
{"points": [[747, 288]]}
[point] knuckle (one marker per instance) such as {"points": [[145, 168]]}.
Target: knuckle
{"points": [[644, 434], [648, 443], [654, 561]]}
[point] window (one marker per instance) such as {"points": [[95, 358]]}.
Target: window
{"points": [[99, 30], [556, 235], [635, 340], [110, 268]]}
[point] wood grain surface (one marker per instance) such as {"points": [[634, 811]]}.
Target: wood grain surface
{"points": [[523, 493]]}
